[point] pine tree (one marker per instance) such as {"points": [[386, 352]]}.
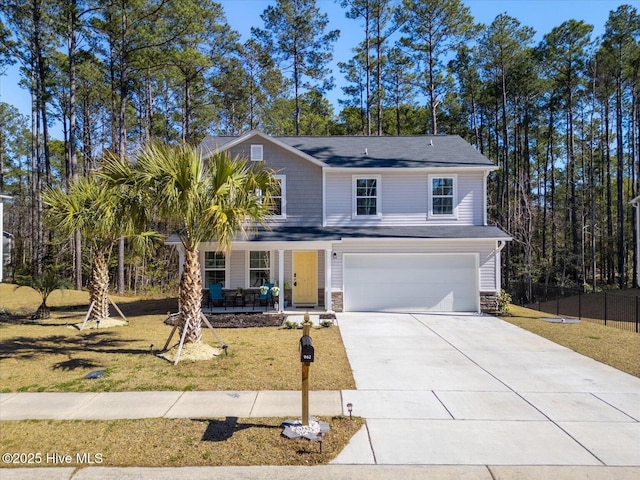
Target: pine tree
{"points": [[295, 35]]}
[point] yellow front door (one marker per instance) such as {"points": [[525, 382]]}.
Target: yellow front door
{"points": [[305, 278]]}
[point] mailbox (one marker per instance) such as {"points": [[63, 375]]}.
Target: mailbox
{"points": [[306, 349]]}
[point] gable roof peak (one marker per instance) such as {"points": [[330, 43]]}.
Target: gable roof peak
{"points": [[358, 151]]}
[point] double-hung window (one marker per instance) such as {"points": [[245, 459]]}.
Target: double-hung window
{"points": [[442, 194], [278, 197], [366, 198], [259, 268], [214, 268]]}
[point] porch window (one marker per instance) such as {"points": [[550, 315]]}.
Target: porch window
{"points": [[443, 196], [214, 268], [366, 196], [259, 268]]}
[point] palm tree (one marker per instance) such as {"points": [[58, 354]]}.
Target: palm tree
{"points": [[96, 210], [208, 202]]}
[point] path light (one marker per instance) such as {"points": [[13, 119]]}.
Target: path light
{"points": [[320, 437], [350, 408], [97, 323]]}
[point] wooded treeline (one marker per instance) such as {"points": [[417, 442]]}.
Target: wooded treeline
{"points": [[560, 117]]}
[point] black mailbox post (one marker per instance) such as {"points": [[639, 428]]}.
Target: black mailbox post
{"points": [[306, 349], [306, 357]]}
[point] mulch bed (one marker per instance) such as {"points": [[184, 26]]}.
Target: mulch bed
{"points": [[244, 320], [248, 319]]}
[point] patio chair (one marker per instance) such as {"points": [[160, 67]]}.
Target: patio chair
{"points": [[216, 295], [267, 298]]}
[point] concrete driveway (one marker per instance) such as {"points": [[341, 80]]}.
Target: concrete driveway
{"points": [[464, 389]]}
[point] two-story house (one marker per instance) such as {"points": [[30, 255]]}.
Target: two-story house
{"points": [[368, 224]]}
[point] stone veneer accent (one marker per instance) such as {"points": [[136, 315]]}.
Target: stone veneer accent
{"points": [[336, 300], [489, 302]]}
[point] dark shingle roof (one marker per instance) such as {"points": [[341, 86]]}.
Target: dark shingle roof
{"points": [[332, 234], [380, 152], [390, 152]]}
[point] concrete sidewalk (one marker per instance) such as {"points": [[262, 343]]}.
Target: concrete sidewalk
{"points": [[332, 472], [122, 405]]}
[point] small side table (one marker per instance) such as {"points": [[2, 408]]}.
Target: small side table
{"points": [[238, 300]]}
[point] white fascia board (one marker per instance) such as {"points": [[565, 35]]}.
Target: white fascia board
{"points": [[267, 138], [407, 240], [443, 169], [244, 245]]}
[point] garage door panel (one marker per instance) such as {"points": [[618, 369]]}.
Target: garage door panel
{"points": [[415, 282]]}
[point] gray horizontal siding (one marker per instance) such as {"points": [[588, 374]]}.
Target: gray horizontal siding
{"points": [[470, 193], [237, 268], [404, 200], [303, 182]]}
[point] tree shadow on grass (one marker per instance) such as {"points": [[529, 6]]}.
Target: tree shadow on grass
{"points": [[222, 430], [152, 306], [24, 348], [75, 363]]}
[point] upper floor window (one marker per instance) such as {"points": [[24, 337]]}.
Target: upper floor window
{"points": [[259, 268], [256, 153], [279, 197], [442, 194], [366, 201], [214, 268]]}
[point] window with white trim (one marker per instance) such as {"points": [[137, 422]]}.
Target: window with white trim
{"points": [[443, 195], [279, 197], [259, 267], [366, 196], [214, 268], [256, 153]]}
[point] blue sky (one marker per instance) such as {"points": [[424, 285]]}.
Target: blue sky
{"points": [[542, 15]]}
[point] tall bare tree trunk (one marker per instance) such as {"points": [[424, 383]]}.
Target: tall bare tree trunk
{"points": [[122, 137], [73, 156], [622, 272]]}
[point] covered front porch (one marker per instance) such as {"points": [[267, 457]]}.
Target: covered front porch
{"points": [[301, 271]]}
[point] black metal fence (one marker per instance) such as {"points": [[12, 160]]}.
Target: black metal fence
{"points": [[608, 308]]}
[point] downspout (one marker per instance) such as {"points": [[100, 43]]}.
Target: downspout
{"points": [[499, 247], [484, 198]]}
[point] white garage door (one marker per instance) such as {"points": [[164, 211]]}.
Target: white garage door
{"points": [[411, 282]]}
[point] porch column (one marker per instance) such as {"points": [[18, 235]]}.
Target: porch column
{"points": [[180, 261], [328, 257], [281, 280]]}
